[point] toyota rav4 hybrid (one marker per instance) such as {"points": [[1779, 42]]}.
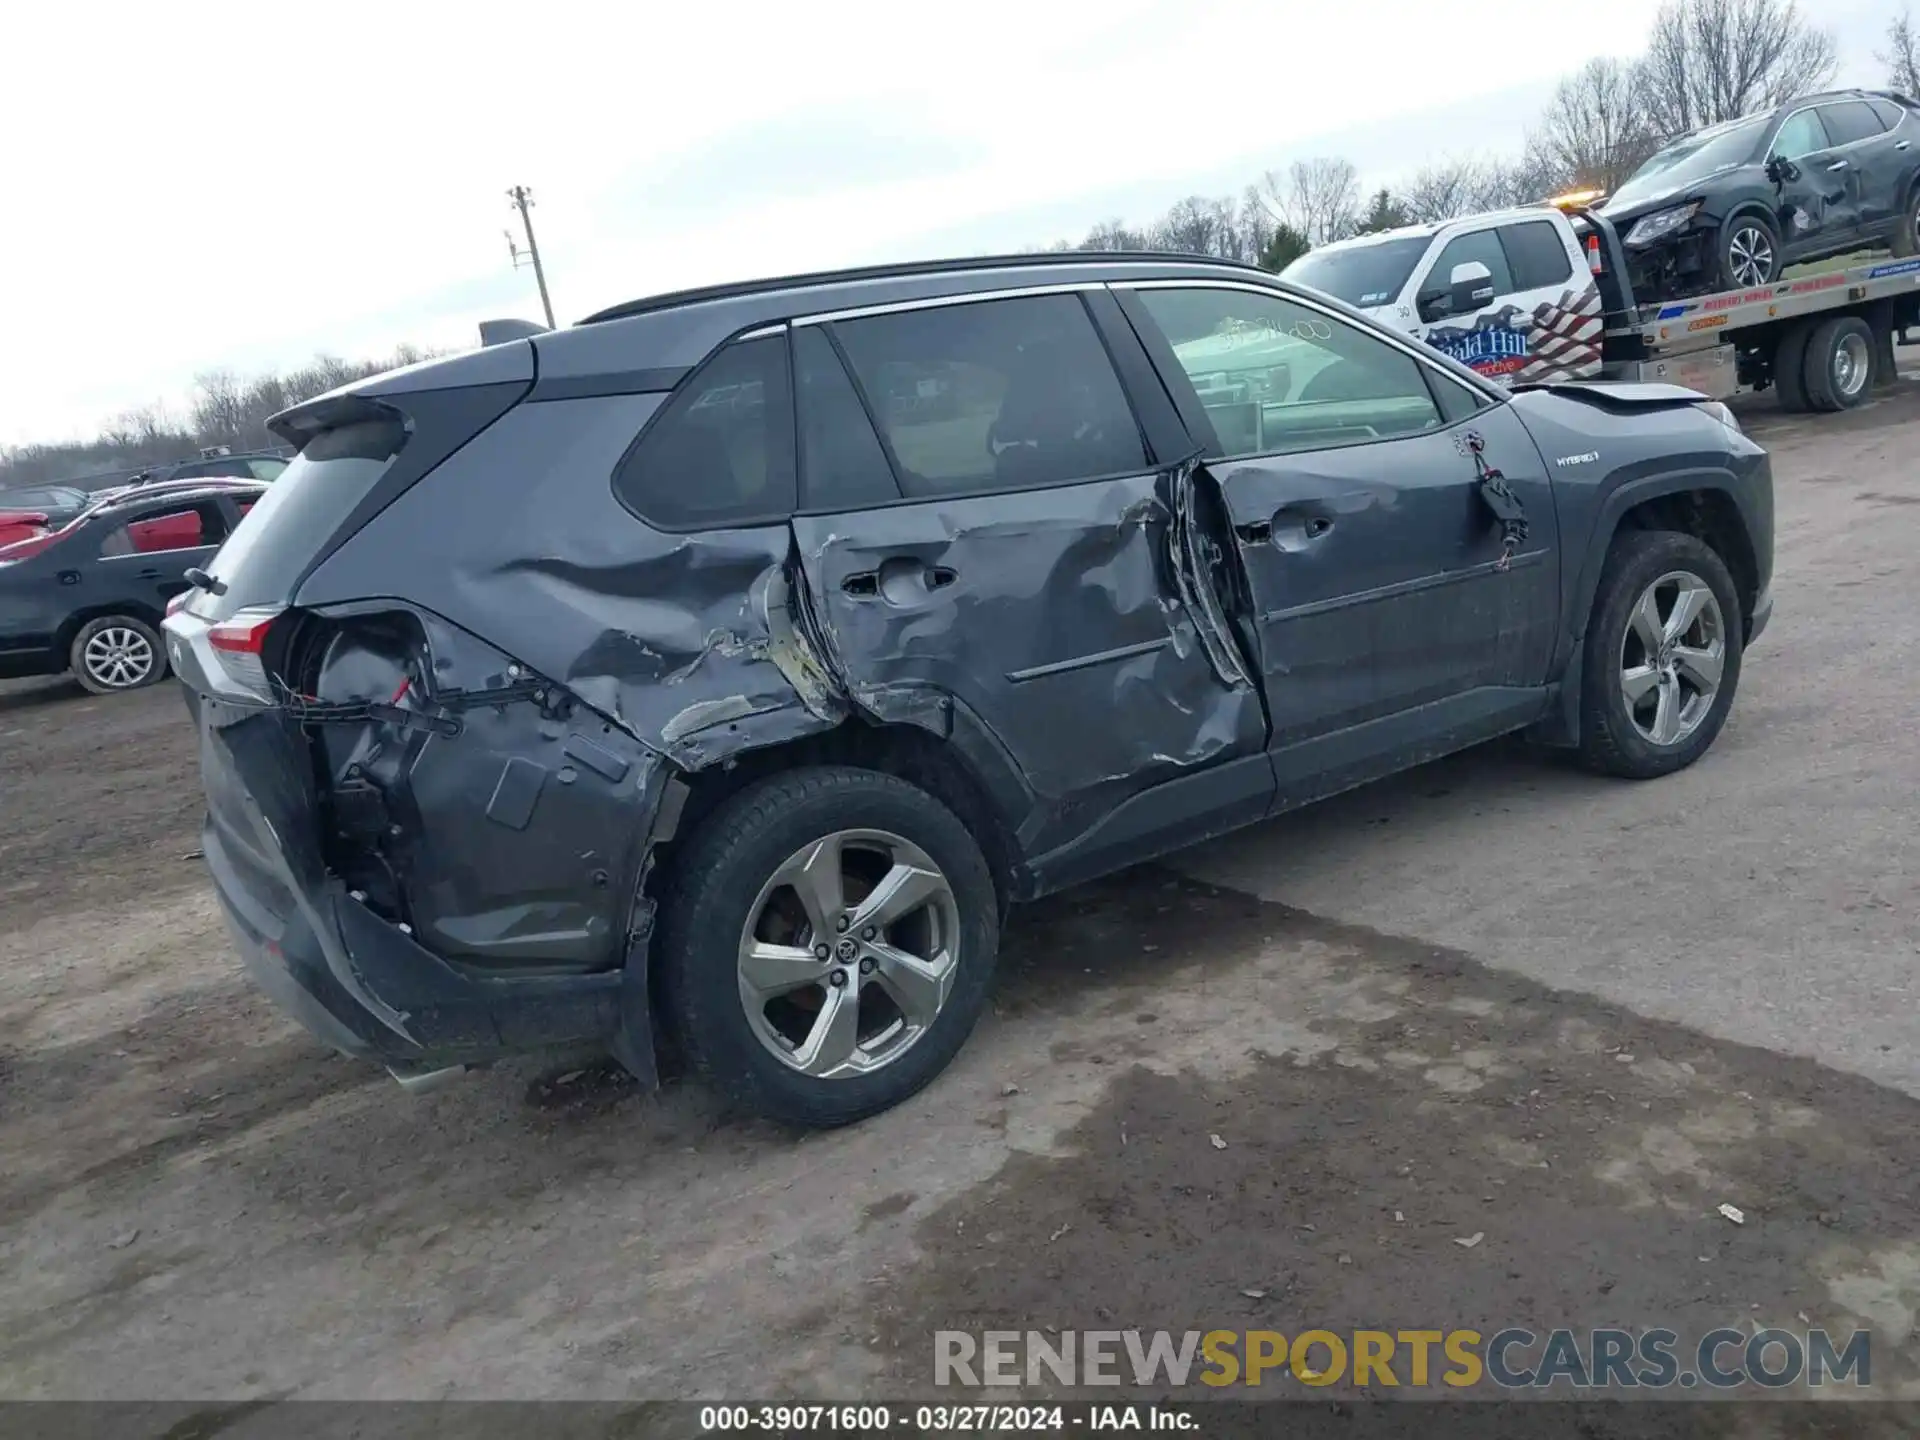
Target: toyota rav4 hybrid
{"points": [[720, 669], [1732, 206]]}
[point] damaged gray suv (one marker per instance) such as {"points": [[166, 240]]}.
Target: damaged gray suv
{"points": [[716, 672]]}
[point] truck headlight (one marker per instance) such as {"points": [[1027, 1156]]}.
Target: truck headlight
{"points": [[1661, 223]]}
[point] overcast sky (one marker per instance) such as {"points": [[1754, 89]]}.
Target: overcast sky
{"points": [[208, 185]]}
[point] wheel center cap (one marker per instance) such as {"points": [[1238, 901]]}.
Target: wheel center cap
{"points": [[846, 949]]}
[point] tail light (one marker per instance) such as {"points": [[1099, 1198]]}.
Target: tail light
{"points": [[239, 646]]}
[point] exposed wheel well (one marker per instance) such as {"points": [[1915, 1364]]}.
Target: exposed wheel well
{"points": [[1711, 517], [903, 750]]}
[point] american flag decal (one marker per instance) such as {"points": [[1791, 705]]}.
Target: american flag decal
{"points": [[1557, 340]]}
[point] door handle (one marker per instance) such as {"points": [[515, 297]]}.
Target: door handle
{"points": [[1837, 165], [900, 579], [1902, 144], [148, 574]]}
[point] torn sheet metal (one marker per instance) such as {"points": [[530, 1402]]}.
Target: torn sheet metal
{"points": [[689, 642]]}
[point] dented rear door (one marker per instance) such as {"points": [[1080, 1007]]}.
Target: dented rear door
{"points": [[1018, 553]]}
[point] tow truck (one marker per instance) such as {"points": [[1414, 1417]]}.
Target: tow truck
{"points": [[1563, 308]]}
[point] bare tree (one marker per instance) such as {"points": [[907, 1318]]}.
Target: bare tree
{"points": [[1445, 189], [1595, 131], [1199, 226], [1902, 55], [1714, 60], [1320, 198]]}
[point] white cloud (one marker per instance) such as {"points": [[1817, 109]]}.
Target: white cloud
{"points": [[213, 184]]}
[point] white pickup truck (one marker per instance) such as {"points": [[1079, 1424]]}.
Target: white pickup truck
{"points": [[1542, 293]]}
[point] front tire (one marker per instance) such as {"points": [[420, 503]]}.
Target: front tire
{"points": [[1662, 656], [828, 944], [1906, 238], [117, 652], [1749, 253]]}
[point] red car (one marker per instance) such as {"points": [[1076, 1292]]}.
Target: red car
{"points": [[21, 525]]}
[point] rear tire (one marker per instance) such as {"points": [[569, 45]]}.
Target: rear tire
{"points": [[1789, 368], [1631, 653], [117, 652], [1838, 372], [744, 986]]}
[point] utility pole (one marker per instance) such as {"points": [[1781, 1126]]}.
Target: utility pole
{"points": [[522, 199]]}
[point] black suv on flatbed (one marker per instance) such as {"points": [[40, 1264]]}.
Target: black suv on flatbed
{"points": [[723, 666]]}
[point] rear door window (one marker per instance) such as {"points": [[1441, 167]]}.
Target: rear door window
{"points": [[994, 395], [189, 527], [1849, 121], [720, 452], [842, 464], [309, 502]]}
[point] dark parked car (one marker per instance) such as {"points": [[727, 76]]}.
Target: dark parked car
{"points": [[1732, 206], [263, 466], [729, 662], [89, 597], [57, 503]]}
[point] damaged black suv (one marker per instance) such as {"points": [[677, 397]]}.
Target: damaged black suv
{"points": [[720, 669]]}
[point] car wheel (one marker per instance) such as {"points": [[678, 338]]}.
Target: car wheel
{"points": [[117, 652], [1789, 367], [1838, 370], [1906, 236], [827, 944], [1662, 656], [1749, 252]]}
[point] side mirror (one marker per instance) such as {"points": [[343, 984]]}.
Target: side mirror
{"points": [[1781, 169], [1470, 286]]}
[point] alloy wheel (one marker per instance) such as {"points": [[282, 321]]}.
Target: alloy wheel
{"points": [[849, 953], [118, 658], [1671, 658], [1852, 365], [1750, 255]]}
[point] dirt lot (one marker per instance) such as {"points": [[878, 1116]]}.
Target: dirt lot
{"points": [[1493, 998]]}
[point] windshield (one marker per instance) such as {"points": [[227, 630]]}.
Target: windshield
{"points": [[1696, 157], [1361, 275]]}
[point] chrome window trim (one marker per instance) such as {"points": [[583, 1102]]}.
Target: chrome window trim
{"points": [[936, 302]]}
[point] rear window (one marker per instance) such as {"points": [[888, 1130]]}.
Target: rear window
{"points": [[301, 510]]}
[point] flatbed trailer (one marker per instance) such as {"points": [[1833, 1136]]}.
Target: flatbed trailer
{"points": [[1821, 342]]}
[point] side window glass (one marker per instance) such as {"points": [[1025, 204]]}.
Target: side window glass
{"points": [[1456, 401], [1851, 120], [720, 452], [1481, 245], [266, 469], [1888, 111], [1277, 377], [994, 395], [186, 529], [1536, 254], [1801, 135], [842, 466]]}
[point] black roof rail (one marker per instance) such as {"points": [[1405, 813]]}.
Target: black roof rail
{"points": [[903, 270]]}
